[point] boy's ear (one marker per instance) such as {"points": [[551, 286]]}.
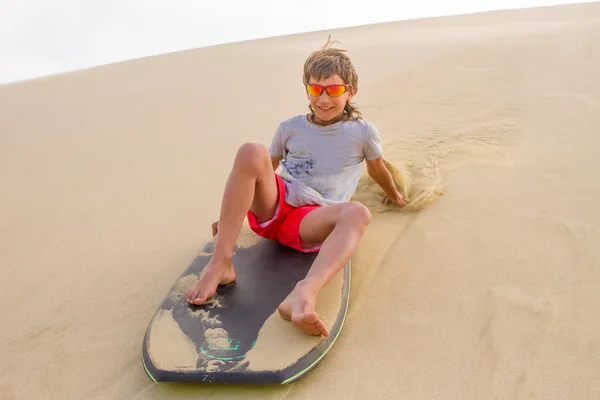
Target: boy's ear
{"points": [[353, 91]]}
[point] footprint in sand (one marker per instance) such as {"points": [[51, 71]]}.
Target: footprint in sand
{"points": [[514, 327]]}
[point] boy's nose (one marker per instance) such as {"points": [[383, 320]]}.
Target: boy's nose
{"points": [[323, 99]]}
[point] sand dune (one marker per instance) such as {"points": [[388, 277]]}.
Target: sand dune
{"points": [[486, 287]]}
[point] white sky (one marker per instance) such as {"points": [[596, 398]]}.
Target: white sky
{"points": [[43, 37]]}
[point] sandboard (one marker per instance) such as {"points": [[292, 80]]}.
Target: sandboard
{"points": [[238, 337]]}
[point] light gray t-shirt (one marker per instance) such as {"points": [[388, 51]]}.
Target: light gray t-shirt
{"points": [[322, 164]]}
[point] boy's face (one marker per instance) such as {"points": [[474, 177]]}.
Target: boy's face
{"points": [[329, 110]]}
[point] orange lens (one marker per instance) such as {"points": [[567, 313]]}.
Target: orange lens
{"points": [[336, 90], [314, 90]]}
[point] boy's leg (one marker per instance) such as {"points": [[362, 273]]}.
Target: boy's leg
{"points": [[251, 186], [339, 228]]}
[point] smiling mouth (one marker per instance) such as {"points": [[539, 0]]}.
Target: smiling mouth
{"points": [[324, 108]]}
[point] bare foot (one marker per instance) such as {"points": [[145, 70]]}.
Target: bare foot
{"points": [[214, 275], [299, 307]]}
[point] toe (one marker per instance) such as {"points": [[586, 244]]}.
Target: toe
{"points": [[201, 297], [193, 295], [307, 323], [321, 327], [310, 318], [311, 323], [198, 299], [188, 295]]}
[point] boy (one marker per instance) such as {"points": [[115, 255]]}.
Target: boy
{"points": [[307, 205]]}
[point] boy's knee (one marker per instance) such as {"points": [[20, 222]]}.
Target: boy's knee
{"points": [[356, 213], [252, 156]]}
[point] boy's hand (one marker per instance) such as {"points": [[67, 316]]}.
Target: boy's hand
{"points": [[381, 174], [397, 199], [215, 227]]}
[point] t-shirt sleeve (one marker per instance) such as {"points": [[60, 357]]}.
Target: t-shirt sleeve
{"points": [[277, 148], [372, 148]]}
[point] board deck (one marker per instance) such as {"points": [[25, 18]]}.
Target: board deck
{"points": [[219, 342]]}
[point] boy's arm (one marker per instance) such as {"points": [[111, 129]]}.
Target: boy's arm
{"points": [[275, 162], [380, 174]]}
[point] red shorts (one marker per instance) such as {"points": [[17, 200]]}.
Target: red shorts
{"points": [[284, 227]]}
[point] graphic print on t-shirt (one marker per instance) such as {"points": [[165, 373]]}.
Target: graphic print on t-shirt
{"points": [[300, 162]]}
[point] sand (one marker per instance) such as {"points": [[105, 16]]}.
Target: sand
{"points": [[178, 352], [487, 287]]}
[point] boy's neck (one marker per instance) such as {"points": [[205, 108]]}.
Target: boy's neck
{"points": [[313, 120]]}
